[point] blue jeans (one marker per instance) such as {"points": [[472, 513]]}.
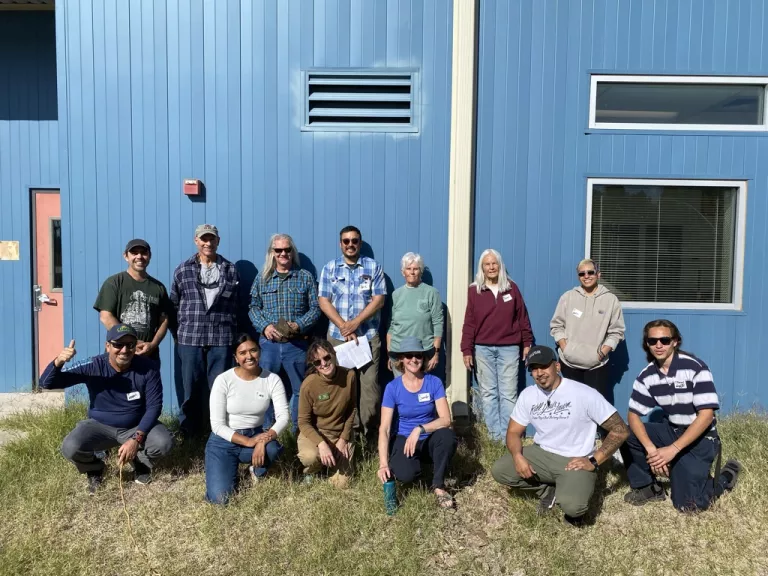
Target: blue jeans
{"points": [[199, 364], [291, 356], [222, 459], [496, 369]]}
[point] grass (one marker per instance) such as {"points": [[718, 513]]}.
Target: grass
{"points": [[282, 527]]}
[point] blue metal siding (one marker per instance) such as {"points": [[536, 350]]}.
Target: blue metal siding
{"points": [[159, 91], [28, 159], [534, 155]]}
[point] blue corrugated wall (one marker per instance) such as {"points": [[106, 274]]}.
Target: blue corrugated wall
{"points": [[534, 155], [29, 158], [158, 91]]}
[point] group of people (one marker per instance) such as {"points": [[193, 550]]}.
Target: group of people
{"points": [[231, 378]]}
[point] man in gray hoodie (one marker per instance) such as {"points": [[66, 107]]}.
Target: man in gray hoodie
{"points": [[587, 325]]}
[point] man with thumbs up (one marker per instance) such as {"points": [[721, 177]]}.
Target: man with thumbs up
{"points": [[125, 400]]}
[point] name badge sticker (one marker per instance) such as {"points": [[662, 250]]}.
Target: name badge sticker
{"points": [[576, 312], [365, 284], [507, 297], [681, 384], [424, 397], [135, 395], [261, 395]]}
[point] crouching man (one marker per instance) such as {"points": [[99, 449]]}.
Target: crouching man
{"points": [[561, 465], [125, 400]]}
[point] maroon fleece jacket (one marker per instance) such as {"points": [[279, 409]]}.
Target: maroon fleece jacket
{"points": [[492, 321]]}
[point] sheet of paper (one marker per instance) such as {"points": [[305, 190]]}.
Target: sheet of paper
{"points": [[354, 354]]}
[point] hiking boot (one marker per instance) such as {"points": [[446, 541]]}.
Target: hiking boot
{"points": [[640, 496], [94, 481], [142, 473], [546, 502]]}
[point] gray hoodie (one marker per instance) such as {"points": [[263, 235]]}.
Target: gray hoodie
{"points": [[587, 322]]}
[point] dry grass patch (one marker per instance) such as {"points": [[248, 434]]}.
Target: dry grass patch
{"points": [[50, 526]]}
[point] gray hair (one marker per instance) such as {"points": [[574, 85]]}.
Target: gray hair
{"points": [[411, 258], [269, 259], [504, 281]]}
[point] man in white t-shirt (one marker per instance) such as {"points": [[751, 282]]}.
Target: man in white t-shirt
{"points": [[561, 465]]}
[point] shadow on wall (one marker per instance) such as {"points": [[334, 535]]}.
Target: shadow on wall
{"points": [[619, 365]]}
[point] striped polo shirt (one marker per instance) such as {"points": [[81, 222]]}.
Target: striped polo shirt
{"points": [[685, 389]]}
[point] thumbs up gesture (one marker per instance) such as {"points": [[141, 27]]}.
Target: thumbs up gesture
{"points": [[65, 355]]}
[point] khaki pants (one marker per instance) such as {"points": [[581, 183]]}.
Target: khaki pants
{"points": [[368, 391], [573, 489], [309, 455]]}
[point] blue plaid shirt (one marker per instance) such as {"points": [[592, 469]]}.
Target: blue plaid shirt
{"points": [[293, 298], [350, 290], [199, 325]]}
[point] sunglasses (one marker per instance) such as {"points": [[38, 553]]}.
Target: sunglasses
{"points": [[586, 273], [666, 340], [281, 250], [348, 241], [320, 361], [137, 251], [410, 355], [127, 345]]}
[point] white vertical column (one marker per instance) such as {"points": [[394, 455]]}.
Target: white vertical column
{"points": [[461, 191]]}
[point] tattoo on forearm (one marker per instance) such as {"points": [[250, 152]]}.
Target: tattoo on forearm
{"points": [[617, 434]]}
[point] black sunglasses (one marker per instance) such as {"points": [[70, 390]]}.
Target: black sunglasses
{"points": [[281, 250], [353, 241], [410, 355], [666, 340], [587, 273], [127, 345], [320, 361]]}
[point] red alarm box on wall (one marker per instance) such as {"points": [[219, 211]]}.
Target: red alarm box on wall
{"points": [[192, 187]]}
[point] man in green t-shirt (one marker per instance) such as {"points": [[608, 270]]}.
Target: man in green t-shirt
{"points": [[135, 298]]}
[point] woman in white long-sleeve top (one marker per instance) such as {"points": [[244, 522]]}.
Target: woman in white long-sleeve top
{"points": [[239, 398]]}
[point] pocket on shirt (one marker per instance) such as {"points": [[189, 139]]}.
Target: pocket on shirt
{"points": [[423, 306]]}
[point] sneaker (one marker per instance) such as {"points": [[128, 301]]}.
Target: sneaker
{"points": [[575, 521], [308, 479], [546, 502], [143, 474], [94, 481], [730, 473], [102, 455], [252, 473], [640, 496], [618, 458]]}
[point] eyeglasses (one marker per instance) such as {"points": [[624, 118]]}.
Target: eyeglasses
{"points": [[410, 355], [127, 345], [320, 361], [281, 250], [666, 340], [587, 273], [353, 241]]}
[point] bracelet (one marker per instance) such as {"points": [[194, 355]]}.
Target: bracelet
{"points": [[675, 445]]}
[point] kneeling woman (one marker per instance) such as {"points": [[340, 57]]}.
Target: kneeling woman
{"points": [[239, 398], [423, 431], [326, 415]]}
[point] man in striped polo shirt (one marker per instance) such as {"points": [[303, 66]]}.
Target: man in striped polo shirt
{"points": [[686, 443]]}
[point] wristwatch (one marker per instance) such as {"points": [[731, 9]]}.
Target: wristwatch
{"points": [[593, 461], [139, 437], [423, 430]]}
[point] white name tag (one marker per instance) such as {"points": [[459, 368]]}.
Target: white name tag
{"points": [[680, 384], [576, 312], [133, 395], [507, 297], [365, 285], [424, 397]]}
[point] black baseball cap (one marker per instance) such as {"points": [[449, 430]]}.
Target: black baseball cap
{"points": [[540, 356], [137, 243]]}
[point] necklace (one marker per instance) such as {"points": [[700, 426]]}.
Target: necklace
{"points": [[551, 394]]}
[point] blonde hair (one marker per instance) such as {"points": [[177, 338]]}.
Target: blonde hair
{"points": [[270, 260], [588, 261], [504, 280]]}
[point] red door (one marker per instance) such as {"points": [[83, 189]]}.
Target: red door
{"points": [[48, 277]]}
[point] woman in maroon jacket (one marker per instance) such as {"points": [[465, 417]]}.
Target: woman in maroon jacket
{"points": [[496, 325]]}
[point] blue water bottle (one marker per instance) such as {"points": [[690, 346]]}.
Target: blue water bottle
{"points": [[390, 497]]}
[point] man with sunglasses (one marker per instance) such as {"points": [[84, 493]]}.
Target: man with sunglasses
{"points": [[351, 295], [205, 296], [284, 310], [125, 401], [587, 325], [135, 298]]}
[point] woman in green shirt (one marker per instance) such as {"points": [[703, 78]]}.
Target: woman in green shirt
{"points": [[417, 310]]}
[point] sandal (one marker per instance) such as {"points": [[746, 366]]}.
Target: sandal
{"points": [[444, 500], [731, 472]]}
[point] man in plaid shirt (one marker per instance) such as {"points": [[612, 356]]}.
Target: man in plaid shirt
{"points": [[204, 293], [283, 310], [352, 292]]}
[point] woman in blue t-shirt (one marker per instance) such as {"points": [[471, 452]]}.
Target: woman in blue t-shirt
{"points": [[423, 431]]}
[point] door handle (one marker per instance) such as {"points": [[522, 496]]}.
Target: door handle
{"points": [[45, 299]]}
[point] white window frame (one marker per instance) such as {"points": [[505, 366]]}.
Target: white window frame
{"points": [[741, 220], [633, 79]]}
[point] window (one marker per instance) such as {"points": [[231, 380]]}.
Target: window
{"points": [[668, 243], [380, 100], [678, 103], [57, 275]]}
